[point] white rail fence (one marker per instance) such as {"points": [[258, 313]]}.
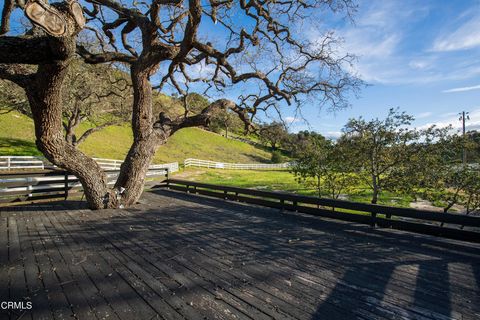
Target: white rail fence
{"points": [[15, 187], [235, 166], [34, 162]]}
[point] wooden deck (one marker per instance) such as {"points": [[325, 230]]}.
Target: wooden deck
{"points": [[180, 256]]}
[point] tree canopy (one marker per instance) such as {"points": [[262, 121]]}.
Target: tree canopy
{"points": [[212, 45]]}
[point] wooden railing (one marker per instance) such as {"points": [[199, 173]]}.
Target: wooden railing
{"points": [[55, 184], [236, 166], [454, 226]]}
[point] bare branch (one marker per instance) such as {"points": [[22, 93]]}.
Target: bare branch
{"points": [[90, 131], [18, 74], [95, 58], [6, 12]]}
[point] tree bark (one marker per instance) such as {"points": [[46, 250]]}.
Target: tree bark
{"points": [[374, 189], [145, 139], [30, 50], [44, 94]]}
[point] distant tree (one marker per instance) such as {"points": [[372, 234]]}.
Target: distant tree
{"points": [[225, 120], [12, 98], [296, 143], [273, 134], [472, 192], [324, 165], [474, 138], [99, 95], [277, 157], [382, 149], [444, 179], [193, 103]]}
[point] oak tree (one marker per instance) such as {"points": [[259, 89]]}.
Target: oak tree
{"points": [[273, 134], [259, 45], [382, 149]]}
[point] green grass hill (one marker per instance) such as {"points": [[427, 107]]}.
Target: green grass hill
{"points": [[17, 138]]}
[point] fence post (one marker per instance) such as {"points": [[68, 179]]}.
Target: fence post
{"points": [[66, 185], [166, 176], [373, 224], [389, 217], [8, 163]]}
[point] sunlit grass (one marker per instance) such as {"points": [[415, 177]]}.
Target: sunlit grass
{"points": [[17, 138], [283, 180]]}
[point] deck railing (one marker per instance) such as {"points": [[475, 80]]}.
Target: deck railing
{"points": [[55, 184], [236, 166], [454, 226]]}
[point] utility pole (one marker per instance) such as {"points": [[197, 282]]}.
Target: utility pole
{"points": [[463, 117]]}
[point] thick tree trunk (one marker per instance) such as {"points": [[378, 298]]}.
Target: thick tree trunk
{"points": [[146, 140], [44, 94], [134, 170]]}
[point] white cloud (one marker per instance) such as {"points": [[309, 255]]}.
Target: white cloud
{"points": [[371, 45], [466, 36], [385, 39], [333, 134], [453, 120], [448, 114], [462, 89], [423, 115], [420, 64], [291, 119], [377, 39]]}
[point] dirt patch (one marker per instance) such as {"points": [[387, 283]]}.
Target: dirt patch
{"points": [[427, 205], [421, 204], [189, 174]]}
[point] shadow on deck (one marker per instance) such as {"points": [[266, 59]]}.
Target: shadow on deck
{"points": [[179, 256]]}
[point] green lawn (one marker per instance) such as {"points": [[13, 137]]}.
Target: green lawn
{"points": [[280, 180], [17, 138]]}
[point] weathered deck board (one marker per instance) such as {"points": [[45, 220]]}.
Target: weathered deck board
{"points": [[178, 256]]}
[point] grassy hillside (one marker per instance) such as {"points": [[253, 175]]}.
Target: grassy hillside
{"points": [[17, 138]]}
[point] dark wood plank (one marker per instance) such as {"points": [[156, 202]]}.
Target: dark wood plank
{"points": [[4, 263], [18, 284], [370, 276], [78, 304], [182, 256], [38, 293], [47, 271], [271, 289], [135, 282], [242, 229], [118, 294], [74, 264], [187, 284]]}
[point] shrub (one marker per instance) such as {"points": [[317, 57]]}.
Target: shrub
{"points": [[277, 157]]}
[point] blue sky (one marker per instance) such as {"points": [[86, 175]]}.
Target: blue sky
{"points": [[420, 56]]}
